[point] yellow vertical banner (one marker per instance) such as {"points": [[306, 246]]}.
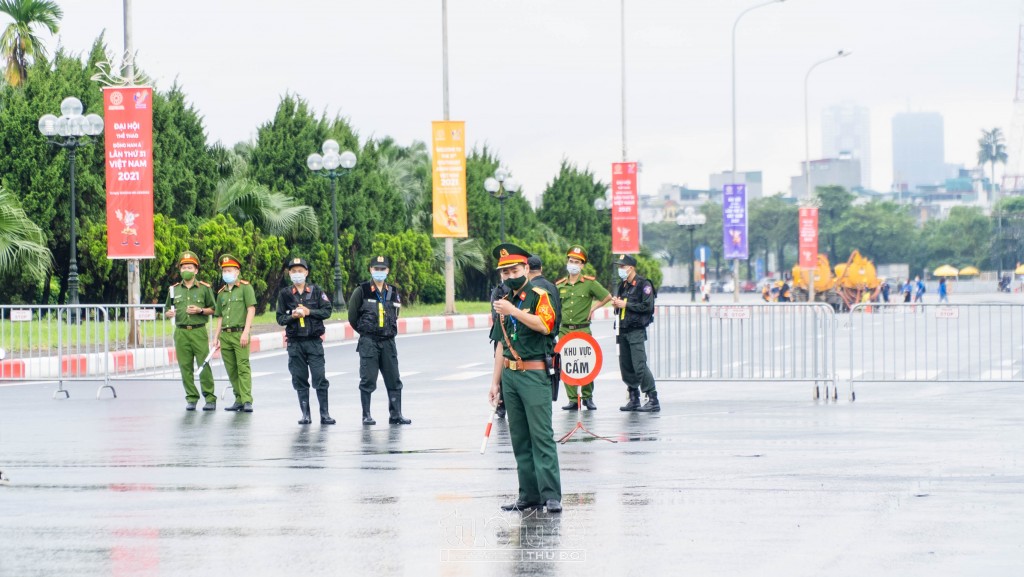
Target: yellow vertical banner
{"points": [[449, 148]]}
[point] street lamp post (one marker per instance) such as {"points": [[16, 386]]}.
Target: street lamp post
{"points": [[69, 132], [690, 220], [501, 186], [327, 166], [732, 175], [807, 130]]}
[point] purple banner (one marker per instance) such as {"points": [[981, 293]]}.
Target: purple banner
{"points": [[734, 221]]}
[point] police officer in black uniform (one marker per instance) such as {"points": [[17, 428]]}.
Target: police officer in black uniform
{"points": [[634, 305], [302, 309], [373, 313]]}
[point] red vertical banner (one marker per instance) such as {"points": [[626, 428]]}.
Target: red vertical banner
{"points": [[128, 138], [808, 227], [625, 209]]}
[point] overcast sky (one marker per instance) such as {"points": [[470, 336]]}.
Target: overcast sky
{"points": [[538, 80]]}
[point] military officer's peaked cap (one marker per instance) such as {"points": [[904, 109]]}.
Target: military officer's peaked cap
{"points": [[576, 251], [380, 261], [509, 254], [297, 261], [625, 260], [227, 260], [188, 257]]}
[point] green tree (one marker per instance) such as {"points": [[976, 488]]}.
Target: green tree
{"points": [[836, 202], [964, 238], [22, 252], [773, 227], [19, 41], [567, 207], [991, 149], [882, 231], [247, 200], [411, 257], [407, 171]]}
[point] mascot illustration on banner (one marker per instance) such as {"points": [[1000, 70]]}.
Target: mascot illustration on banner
{"points": [[127, 218]]}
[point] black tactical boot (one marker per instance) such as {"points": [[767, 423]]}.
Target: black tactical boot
{"points": [[304, 406], [325, 417], [364, 398], [652, 405], [634, 401], [395, 406]]}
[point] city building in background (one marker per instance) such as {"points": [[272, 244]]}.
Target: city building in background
{"points": [[918, 150], [844, 171], [753, 179], [846, 130]]}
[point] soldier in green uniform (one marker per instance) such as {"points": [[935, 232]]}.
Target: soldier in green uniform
{"points": [[190, 303], [236, 306], [581, 296], [302, 309], [634, 307], [523, 335], [373, 312]]}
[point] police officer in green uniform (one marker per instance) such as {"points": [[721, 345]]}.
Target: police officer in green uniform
{"points": [[581, 296], [190, 303], [634, 305], [523, 333], [302, 309], [236, 306], [373, 313]]}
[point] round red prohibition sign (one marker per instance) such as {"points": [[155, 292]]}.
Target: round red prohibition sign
{"points": [[581, 358]]}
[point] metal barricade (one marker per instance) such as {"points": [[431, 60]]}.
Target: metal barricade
{"points": [[931, 342], [745, 342], [55, 342], [142, 343]]}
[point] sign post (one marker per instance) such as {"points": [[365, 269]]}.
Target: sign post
{"points": [[808, 245], [625, 209], [580, 358], [734, 230]]}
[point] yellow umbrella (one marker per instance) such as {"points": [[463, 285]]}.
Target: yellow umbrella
{"points": [[945, 270], [1019, 269], [969, 271]]}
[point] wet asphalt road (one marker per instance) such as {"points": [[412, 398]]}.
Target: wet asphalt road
{"points": [[729, 479]]}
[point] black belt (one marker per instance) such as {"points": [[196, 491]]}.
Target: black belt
{"points": [[190, 327], [580, 326], [233, 329]]}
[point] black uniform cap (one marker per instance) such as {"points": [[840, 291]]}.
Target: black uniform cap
{"points": [[625, 260]]}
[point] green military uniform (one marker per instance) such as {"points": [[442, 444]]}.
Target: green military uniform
{"points": [[233, 302], [191, 341], [577, 298], [527, 393]]}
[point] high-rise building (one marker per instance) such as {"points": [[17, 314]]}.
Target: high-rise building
{"points": [[753, 180], [846, 132], [844, 171], [918, 150]]}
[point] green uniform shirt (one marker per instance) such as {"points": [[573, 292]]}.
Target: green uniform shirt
{"points": [[180, 296], [577, 298], [530, 344], [232, 303]]}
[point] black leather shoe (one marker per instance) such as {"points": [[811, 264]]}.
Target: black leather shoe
{"points": [[521, 506], [210, 406], [572, 406], [500, 411], [235, 407], [399, 421], [247, 408], [553, 506], [190, 406], [589, 404]]}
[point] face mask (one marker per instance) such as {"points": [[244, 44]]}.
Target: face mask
{"points": [[574, 269], [623, 273], [514, 283], [229, 278], [187, 275], [297, 277], [379, 275]]}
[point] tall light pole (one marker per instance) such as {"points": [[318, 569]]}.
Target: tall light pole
{"points": [[329, 163], [807, 123], [690, 220], [449, 242], [732, 176], [622, 39], [69, 132], [501, 186]]}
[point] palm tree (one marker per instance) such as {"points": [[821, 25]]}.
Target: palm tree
{"points": [[19, 41], [405, 171], [22, 243], [273, 212], [468, 256], [991, 149]]}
